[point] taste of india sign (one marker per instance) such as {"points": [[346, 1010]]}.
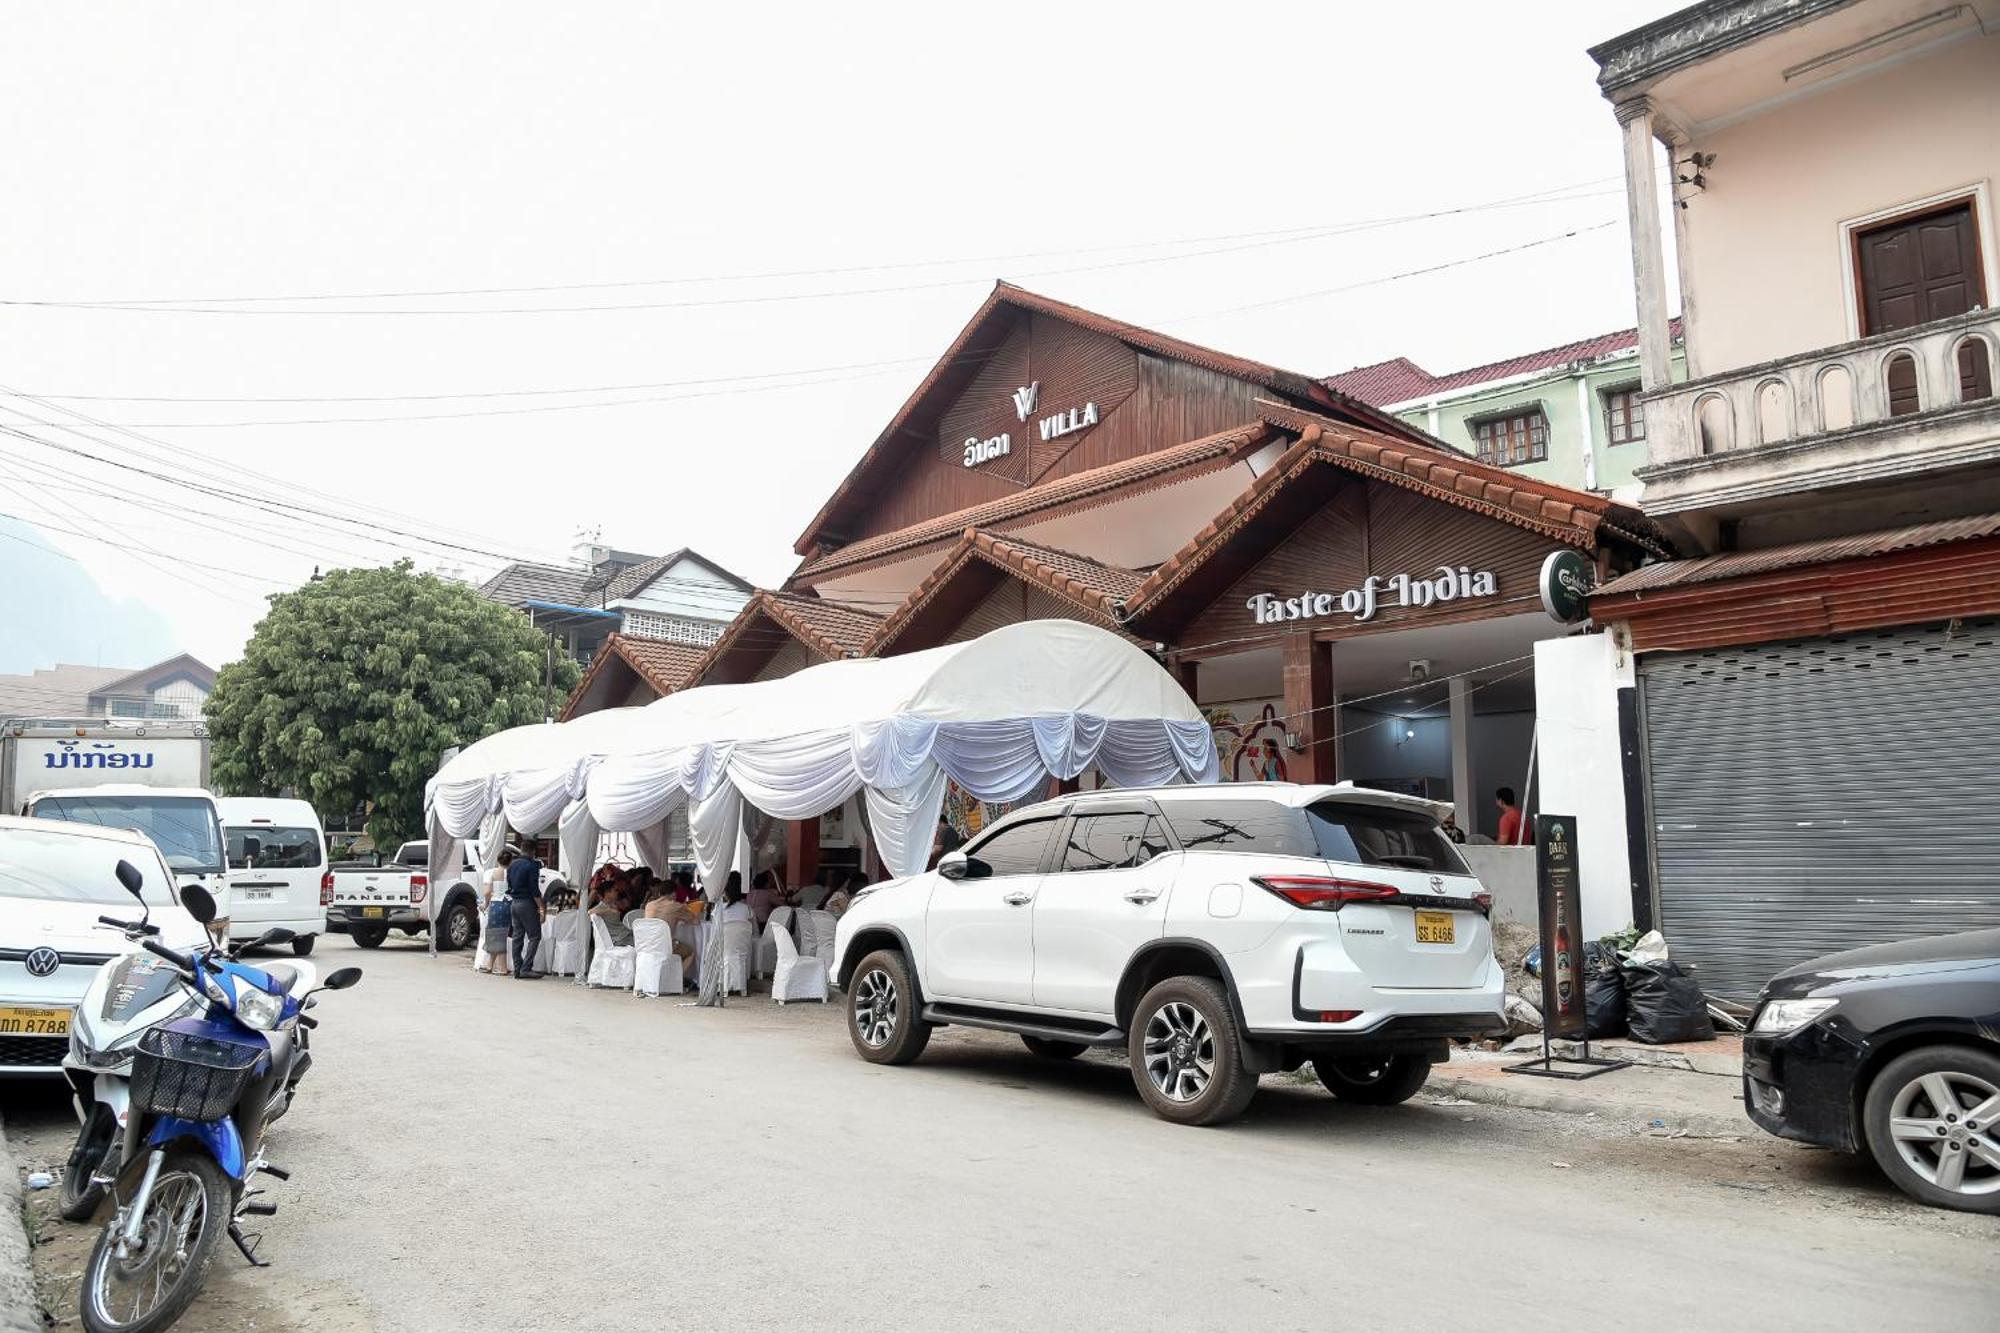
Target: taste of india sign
{"points": [[1449, 584]]}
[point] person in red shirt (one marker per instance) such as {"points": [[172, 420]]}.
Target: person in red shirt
{"points": [[1514, 830]]}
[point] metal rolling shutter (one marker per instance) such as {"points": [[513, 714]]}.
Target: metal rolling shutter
{"points": [[1823, 794]]}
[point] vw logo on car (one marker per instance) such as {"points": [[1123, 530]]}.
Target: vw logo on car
{"points": [[43, 962]]}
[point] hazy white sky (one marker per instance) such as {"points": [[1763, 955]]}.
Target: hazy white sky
{"points": [[194, 153]]}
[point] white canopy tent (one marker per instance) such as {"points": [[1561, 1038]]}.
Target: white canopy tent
{"points": [[999, 715]]}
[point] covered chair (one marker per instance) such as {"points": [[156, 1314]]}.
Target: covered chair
{"points": [[824, 924], [610, 964], [767, 948], [738, 950], [562, 944], [796, 977], [656, 967]]}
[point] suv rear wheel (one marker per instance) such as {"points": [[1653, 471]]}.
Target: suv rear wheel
{"points": [[883, 1018], [1374, 1080], [1186, 1058], [369, 937]]}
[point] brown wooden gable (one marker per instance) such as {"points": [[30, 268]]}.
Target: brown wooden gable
{"points": [[1151, 391], [986, 581], [1351, 528]]}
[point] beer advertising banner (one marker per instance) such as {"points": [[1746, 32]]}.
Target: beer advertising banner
{"points": [[1561, 900]]}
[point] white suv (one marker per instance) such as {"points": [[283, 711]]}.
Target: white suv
{"points": [[1216, 933]]}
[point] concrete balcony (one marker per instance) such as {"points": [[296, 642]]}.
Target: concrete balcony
{"points": [[1916, 400]]}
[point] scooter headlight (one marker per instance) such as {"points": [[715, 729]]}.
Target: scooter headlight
{"points": [[259, 1009]]}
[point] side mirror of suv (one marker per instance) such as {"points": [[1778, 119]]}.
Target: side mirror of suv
{"points": [[956, 865]]}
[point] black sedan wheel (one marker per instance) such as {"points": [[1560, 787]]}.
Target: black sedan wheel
{"points": [[1933, 1122]]}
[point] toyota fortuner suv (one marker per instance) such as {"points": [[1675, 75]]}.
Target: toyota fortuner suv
{"points": [[1215, 933]]}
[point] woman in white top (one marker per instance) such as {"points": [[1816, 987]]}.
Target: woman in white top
{"points": [[495, 911]]}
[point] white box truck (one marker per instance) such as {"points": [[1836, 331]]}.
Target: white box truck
{"points": [[49, 754]]}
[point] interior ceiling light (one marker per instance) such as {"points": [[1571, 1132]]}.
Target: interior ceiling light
{"points": [[1930, 20]]}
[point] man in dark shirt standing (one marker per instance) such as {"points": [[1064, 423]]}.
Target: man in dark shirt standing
{"points": [[524, 897]]}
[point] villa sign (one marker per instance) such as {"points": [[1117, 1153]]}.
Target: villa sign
{"points": [[1053, 427], [1449, 584]]}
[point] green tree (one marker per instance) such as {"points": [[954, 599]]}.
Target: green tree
{"points": [[353, 686]]}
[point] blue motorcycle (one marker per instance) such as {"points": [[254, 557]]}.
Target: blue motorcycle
{"points": [[203, 1089]]}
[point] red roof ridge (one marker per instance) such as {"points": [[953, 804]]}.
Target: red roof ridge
{"points": [[1400, 380]]}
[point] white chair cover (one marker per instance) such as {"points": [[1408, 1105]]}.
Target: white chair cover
{"points": [[767, 949], [562, 939], [610, 965], [636, 914], [824, 924], [738, 941], [796, 978], [656, 967]]}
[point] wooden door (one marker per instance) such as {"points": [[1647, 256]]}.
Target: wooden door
{"points": [[1917, 269]]}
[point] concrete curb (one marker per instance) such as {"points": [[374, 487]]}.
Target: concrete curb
{"points": [[1537, 1094], [20, 1310]]}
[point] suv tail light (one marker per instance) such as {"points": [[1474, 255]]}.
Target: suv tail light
{"points": [[419, 885], [1323, 893], [326, 889], [1485, 901]]}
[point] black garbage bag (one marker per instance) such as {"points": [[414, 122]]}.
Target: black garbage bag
{"points": [[1664, 1004], [1603, 994]]}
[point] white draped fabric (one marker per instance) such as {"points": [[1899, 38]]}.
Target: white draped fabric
{"points": [[998, 715]]}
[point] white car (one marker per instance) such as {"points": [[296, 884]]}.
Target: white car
{"points": [[278, 872], [1216, 933], [56, 879]]}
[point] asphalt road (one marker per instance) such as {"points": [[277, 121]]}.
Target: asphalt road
{"points": [[473, 1153]]}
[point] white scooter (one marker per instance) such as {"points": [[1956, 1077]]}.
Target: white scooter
{"points": [[129, 995]]}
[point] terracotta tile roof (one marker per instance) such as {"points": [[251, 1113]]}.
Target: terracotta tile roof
{"points": [[1402, 380], [967, 353], [835, 630], [1207, 454], [1738, 564], [1575, 517], [661, 663], [830, 629], [1092, 586]]}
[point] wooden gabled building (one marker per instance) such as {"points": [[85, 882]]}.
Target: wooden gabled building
{"points": [[1344, 595]]}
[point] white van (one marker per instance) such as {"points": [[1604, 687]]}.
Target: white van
{"points": [[278, 870]]}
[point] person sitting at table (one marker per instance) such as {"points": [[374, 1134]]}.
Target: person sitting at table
{"points": [[764, 895], [734, 908], [611, 909], [683, 886]]}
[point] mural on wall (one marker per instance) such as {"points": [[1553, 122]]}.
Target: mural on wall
{"points": [[1250, 740], [967, 815]]}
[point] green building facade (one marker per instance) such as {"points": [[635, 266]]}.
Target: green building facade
{"points": [[1567, 414]]}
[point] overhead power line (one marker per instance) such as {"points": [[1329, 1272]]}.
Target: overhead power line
{"points": [[237, 304]]}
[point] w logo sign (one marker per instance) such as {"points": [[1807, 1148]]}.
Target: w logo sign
{"points": [[1024, 399]]}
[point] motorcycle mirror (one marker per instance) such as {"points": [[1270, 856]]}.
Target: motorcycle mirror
{"points": [[128, 875], [342, 979], [200, 905]]}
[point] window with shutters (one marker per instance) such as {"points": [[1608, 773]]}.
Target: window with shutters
{"points": [[1919, 267], [1518, 437], [1624, 423]]}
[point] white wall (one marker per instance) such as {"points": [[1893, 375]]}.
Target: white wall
{"points": [[1581, 770], [1767, 268], [691, 590]]}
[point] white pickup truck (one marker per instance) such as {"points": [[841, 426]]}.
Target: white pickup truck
{"points": [[369, 901]]}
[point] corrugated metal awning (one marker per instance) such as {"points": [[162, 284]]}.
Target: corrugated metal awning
{"points": [[1738, 564]]}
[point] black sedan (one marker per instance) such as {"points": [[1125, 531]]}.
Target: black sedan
{"points": [[1894, 1049]]}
